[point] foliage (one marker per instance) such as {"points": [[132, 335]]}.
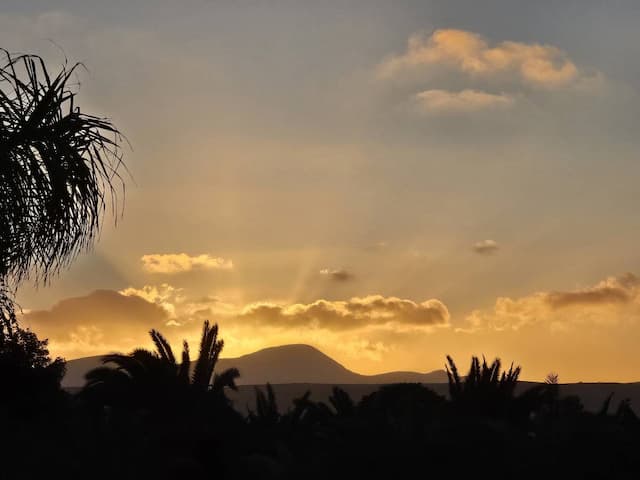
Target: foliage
{"points": [[154, 379], [160, 418], [59, 168], [485, 390], [28, 374]]}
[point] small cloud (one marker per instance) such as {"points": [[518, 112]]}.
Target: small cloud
{"points": [[485, 247], [339, 275], [465, 101], [181, 262]]}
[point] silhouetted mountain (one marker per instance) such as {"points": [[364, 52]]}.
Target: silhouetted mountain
{"points": [[280, 365]]}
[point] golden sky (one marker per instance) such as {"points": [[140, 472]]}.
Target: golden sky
{"points": [[389, 183]]}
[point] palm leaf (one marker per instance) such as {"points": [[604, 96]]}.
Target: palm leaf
{"points": [[59, 169], [163, 347], [226, 379]]}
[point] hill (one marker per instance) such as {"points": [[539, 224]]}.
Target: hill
{"points": [[285, 364]]}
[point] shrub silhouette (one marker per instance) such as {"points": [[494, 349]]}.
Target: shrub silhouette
{"points": [[30, 379]]}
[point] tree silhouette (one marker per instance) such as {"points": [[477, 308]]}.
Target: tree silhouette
{"points": [[154, 379], [29, 377], [59, 168], [266, 412], [485, 390]]}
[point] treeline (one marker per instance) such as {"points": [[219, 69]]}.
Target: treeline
{"points": [[150, 414]]}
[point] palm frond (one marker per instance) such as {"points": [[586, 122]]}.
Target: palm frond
{"points": [[163, 347], [210, 348], [59, 169], [226, 379], [185, 365]]}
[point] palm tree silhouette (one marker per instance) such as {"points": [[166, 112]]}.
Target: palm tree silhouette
{"points": [[59, 168], [485, 390], [153, 379]]}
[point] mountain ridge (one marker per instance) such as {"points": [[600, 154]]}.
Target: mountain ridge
{"points": [[283, 364]]}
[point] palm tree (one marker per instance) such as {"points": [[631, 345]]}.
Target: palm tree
{"points": [[485, 390], [59, 168], [154, 379]]}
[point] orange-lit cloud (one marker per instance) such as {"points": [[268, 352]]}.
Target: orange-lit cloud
{"points": [[181, 262], [612, 301], [370, 333], [107, 320], [536, 65], [100, 322], [464, 101], [355, 313], [163, 295]]}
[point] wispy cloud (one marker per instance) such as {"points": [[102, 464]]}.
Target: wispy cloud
{"points": [[339, 275], [181, 262], [464, 101]]}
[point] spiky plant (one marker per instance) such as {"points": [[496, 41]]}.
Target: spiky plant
{"points": [[59, 168], [342, 402], [203, 373], [143, 374], [266, 412], [486, 389]]}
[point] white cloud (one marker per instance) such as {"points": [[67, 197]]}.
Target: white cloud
{"points": [[182, 262]]}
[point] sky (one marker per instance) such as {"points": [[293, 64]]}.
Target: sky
{"points": [[390, 182]]}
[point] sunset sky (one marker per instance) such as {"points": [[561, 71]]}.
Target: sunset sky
{"points": [[390, 182]]}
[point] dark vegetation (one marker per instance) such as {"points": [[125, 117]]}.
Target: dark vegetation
{"points": [[59, 169], [148, 415]]}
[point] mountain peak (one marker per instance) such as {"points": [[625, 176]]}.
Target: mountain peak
{"points": [[291, 363]]}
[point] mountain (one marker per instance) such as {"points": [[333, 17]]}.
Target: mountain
{"points": [[280, 365], [294, 369]]}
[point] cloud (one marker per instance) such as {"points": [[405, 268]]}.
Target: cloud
{"points": [[464, 101], [339, 275], [531, 64], [181, 262], [485, 247], [105, 320], [99, 322], [612, 301], [163, 295], [355, 313], [610, 291]]}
